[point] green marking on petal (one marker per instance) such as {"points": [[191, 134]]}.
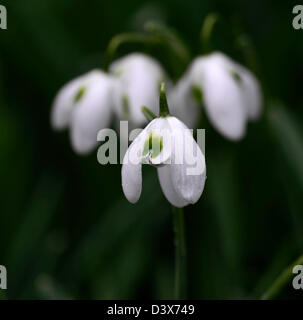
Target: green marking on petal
{"points": [[153, 145], [80, 94], [236, 77], [125, 106], [118, 72], [197, 94]]}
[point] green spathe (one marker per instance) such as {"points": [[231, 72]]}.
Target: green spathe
{"points": [[149, 115], [164, 111]]}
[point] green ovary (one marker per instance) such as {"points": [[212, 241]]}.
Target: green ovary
{"points": [[153, 145]]}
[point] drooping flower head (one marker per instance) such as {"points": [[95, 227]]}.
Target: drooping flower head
{"points": [[167, 144], [84, 105], [139, 80], [230, 94]]}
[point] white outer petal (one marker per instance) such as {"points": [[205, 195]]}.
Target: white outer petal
{"points": [[132, 161], [252, 92], [131, 173], [63, 104], [131, 179], [222, 96], [140, 77], [178, 186], [182, 103], [92, 113], [189, 177], [165, 178]]}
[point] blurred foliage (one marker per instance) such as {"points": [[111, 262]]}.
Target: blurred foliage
{"points": [[66, 229]]}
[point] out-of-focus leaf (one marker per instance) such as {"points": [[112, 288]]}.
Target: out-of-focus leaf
{"points": [[163, 282], [36, 222], [278, 262], [288, 137], [176, 49], [47, 288], [122, 276], [115, 226], [50, 43], [223, 192], [282, 280], [41, 270], [210, 274]]}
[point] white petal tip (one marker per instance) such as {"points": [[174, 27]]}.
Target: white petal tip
{"points": [[131, 181], [82, 147], [131, 196]]}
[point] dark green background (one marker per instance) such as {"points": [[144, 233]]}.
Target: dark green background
{"points": [[66, 229]]}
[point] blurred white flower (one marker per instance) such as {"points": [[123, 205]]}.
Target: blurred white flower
{"points": [[167, 144], [184, 103], [84, 105], [230, 94], [139, 81]]}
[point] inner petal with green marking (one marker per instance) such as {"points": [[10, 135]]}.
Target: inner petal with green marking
{"points": [[153, 145]]}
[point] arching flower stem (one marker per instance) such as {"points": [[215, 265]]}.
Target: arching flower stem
{"points": [[207, 30], [127, 38]]}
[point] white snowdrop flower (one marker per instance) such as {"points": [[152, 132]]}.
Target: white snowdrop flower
{"points": [[84, 105], [230, 93], [167, 144], [139, 80]]}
